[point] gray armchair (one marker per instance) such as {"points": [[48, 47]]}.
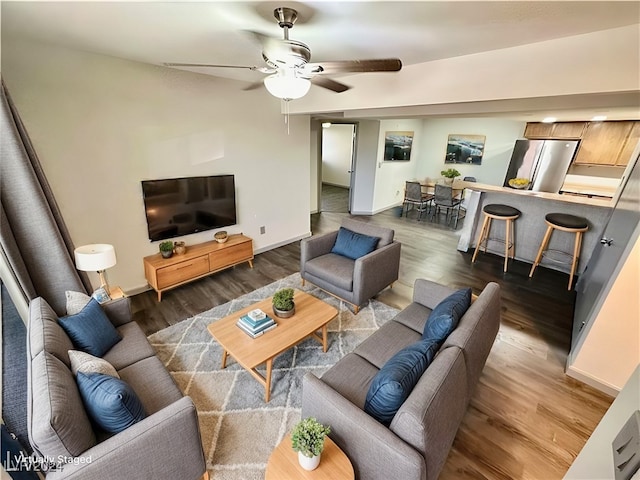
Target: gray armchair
{"points": [[354, 281]]}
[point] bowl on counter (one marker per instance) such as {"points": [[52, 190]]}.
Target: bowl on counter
{"points": [[519, 183]]}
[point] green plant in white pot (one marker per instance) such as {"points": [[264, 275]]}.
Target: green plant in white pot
{"points": [[307, 438], [450, 174]]}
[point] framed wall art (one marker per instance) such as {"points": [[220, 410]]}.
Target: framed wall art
{"points": [[397, 146], [465, 149]]}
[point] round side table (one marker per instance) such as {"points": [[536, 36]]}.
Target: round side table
{"points": [[283, 463]]}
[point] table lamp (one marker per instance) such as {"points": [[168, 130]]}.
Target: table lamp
{"points": [[96, 258]]}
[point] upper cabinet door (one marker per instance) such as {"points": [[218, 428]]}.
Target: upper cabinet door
{"points": [[568, 129], [538, 130], [602, 143], [563, 130], [627, 150]]}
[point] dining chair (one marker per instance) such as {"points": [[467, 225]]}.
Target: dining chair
{"points": [[444, 198], [414, 196]]}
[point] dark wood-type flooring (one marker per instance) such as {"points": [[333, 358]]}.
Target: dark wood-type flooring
{"points": [[527, 419]]}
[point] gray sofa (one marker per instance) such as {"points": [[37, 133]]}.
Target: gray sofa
{"points": [[417, 442], [354, 281], [164, 445]]}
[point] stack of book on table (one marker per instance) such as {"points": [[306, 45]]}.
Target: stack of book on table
{"points": [[256, 322]]}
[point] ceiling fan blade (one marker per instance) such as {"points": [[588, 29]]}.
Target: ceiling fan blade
{"points": [[355, 66], [329, 84], [255, 69]]}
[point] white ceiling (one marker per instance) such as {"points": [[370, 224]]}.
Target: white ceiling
{"points": [[217, 32]]}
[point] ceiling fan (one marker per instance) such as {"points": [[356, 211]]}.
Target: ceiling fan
{"points": [[290, 73]]}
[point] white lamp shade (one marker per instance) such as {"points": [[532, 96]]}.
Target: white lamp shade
{"points": [[95, 257], [287, 87]]}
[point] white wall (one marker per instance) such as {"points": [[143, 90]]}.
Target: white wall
{"points": [[392, 175], [500, 138], [337, 152], [367, 136], [611, 351], [100, 125]]}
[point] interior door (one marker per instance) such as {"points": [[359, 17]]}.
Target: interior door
{"points": [[594, 284]]}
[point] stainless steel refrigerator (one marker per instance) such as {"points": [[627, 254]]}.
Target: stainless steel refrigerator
{"points": [[543, 162]]}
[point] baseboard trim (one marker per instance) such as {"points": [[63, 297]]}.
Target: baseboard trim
{"points": [[281, 244], [592, 381]]}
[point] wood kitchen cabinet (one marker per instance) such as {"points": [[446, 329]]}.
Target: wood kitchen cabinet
{"points": [[562, 130], [630, 145], [603, 143]]}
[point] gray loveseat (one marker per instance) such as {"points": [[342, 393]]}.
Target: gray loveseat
{"points": [[417, 442], [354, 281], [164, 445]]}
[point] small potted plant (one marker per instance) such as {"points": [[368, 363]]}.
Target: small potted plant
{"points": [[307, 438], [166, 249], [283, 305], [450, 174]]}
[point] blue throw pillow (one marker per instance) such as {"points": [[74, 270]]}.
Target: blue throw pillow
{"points": [[445, 317], [353, 245], [110, 402], [394, 382], [90, 330]]}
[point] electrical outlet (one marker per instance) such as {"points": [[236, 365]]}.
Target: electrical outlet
{"points": [[262, 230]]}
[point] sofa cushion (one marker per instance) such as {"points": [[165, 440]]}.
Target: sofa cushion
{"points": [[152, 383], [111, 403], [133, 347], [395, 381], [90, 330], [351, 378], [445, 316], [58, 423], [45, 333], [334, 269], [353, 245], [85, 363], [76, 301], [383, 233], [388, 340]]}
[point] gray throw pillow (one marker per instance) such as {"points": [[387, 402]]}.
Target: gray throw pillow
{"points": [[86, 363], [76, 301]]}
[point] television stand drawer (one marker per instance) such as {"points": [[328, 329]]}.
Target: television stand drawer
{"points": [[231, 255], [182, 271]]}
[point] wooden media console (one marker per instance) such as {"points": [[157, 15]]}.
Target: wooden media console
{"points": [[199, 261]]}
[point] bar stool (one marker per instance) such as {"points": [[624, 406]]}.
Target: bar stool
{"points": [[565, 223], [498, 211]]}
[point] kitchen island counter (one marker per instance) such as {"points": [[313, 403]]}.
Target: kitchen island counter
{"points": [[530, 227]]}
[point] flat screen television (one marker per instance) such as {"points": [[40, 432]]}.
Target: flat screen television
{"points": [[180, 206]]}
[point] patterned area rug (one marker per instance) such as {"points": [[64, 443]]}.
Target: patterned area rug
{"points": [[239, 430]]}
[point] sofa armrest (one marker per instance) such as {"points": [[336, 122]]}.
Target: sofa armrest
{"points": [[118, 311], [315, 246], [375, 452], [166, 445], [375, 271], [430, 294]]}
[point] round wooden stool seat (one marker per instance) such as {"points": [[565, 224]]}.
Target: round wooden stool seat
{"points": [[566, 223], [498, 211]]}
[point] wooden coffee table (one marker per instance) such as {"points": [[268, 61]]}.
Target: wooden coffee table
{"points": [[283, 464], [311, 315]]}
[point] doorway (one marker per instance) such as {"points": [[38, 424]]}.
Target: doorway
{"points": [[336, 170]]}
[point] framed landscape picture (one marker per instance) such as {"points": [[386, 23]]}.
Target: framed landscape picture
{"points": [[397, 146], [465, 149]]}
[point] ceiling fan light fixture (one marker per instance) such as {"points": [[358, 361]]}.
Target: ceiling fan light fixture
{"points": [[287, 87]]}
